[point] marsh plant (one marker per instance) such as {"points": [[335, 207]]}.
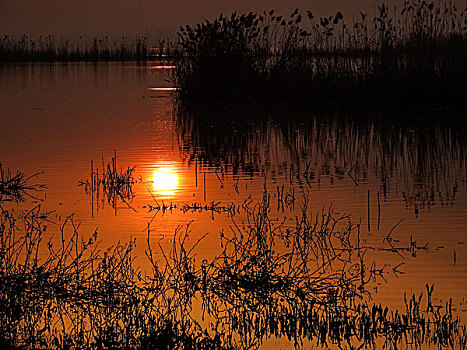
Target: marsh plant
{"points": [[110, 184], [17, 186], [306, 281], [407, 53]]}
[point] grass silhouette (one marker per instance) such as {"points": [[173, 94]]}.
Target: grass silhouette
{"points": [[308, 281]]}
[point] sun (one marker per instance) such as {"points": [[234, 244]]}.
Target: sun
{"points": [[165, 179]]}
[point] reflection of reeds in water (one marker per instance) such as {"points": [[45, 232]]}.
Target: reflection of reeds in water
{"points": [[304, 282], [409, 53], [112, 185], [429, 163], [17, 187], [49, 48], [425, 163]]}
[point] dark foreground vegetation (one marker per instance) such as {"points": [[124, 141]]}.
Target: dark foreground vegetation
{"points": [[308, 281], [50, 48], [414, 54]]}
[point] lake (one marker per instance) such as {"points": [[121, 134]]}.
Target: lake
{"points": [[401, 179]]}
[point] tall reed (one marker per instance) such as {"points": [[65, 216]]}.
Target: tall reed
{"points": [[401, 54]]}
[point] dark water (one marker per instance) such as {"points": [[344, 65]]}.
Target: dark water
{"points": [[384, 171]]}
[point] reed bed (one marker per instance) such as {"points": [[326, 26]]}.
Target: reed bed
{"points": [[51, 48], [407, 54], [305, 282]]}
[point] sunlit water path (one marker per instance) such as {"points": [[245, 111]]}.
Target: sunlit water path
{"points": [[57, 118]]}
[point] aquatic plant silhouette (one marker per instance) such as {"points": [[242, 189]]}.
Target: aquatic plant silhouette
{"points": [[112, 185], [17, 187], [401, 55], [306, 281]]}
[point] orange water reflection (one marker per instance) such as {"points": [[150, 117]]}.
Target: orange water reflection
{"points": [[378, 175], [165, 179]]}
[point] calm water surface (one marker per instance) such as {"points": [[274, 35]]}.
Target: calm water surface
{"points": [[57, 118]]}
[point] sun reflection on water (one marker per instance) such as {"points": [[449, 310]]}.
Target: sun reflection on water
{"points": [[165, 179]]}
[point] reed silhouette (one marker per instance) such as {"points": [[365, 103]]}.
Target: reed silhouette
{"points": [[407, 55], [305, 281]]}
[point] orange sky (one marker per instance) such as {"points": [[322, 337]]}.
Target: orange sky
{"points": [[129, 17]]}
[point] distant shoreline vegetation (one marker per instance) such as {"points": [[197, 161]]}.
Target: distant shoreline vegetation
{"points": [[50, 48], [415, 54]]}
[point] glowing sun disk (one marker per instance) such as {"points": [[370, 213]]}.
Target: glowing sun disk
{"points": [[165, 180]]}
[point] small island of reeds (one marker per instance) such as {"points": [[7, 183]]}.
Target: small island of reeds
{"points": [[414, 54]]}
